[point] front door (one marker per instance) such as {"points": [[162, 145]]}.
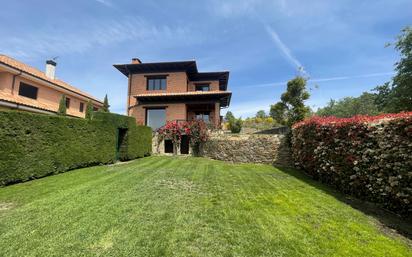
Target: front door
{"points": [[184, 145]]}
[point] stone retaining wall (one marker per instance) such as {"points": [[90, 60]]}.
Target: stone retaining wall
{"points": [[269, 149]]}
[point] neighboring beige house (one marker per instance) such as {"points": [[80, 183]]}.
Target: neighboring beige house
{"points": [[168, 91], [26, 88]]}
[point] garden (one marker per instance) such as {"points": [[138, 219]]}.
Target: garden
{"points": [[186, 206]]}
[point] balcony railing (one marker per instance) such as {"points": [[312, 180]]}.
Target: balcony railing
{"points": [[210, 124]]}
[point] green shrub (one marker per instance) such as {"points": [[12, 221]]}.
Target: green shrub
{"points": [[36, 145], [89, 110], [366, 156], [235, 125], [138, 139], [62, 106]]}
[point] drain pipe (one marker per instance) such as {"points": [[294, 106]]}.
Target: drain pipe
{"points": [[14, 82]]}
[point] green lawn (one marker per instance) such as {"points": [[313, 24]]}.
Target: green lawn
{"points": [[164, 206]]}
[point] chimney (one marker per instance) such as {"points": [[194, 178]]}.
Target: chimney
{"points": [[136, 61], [50, 69]]}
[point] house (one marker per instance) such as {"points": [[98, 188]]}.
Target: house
{"points": [[174, 91], [26, 88]]}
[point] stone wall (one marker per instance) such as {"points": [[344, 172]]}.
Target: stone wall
{"points": [[269, 149]]}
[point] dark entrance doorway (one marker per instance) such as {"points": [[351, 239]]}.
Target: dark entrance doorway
{"points": [[168, 146], [184, 145], [121, 143]]}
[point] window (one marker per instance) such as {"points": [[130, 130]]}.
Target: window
{"points": [[156, 83], [81, 107], [28, 91], [67, 102], [202, 87], [155, 118], [205, 116]]}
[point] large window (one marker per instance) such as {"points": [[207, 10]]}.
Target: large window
{"points": [[205, 116], [155, 118], [202, 87], [81, 107], [28, 91], [156, 83]]}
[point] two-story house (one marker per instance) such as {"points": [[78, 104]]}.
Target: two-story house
{"points": [[26, 88], [168, 91]]}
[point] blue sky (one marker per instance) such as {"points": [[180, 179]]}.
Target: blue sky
{"points": [[339, 44]]}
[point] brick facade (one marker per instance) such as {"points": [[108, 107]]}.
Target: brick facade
{"points": [[176, 83], [178, 103]]}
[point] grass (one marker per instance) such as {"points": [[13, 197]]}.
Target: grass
{"points": [[165, 206]]}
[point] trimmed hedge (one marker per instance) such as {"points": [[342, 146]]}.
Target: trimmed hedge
{"points": [[138, 140], [369, 157], [36, 145]]}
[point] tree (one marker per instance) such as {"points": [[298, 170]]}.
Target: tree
{"points": [[106, 105], [89, 110], [291, 108], [351, 106], [229, 116], [396, 96], [62, 106], [278, 112], [261, 114]]}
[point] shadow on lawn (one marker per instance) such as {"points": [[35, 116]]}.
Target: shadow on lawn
{"points": [[387, 221]]}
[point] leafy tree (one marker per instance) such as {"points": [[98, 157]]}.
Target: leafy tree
{"points": [[229, 116], [278, 113], [351, 106], [106, 105], [396, 96], [291, 108], [261, 114], [89, 110], [62, 106]]}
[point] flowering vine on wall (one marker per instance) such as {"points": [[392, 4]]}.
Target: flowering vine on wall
{"points": [[196, 130]]}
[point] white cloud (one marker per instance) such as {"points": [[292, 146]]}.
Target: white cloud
{"points": [[353, 77], [287, 54], [105, 2], [97, 33], [249, 108], [247, 8], [281, 83]]}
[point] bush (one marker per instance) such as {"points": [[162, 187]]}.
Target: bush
{"points": [[366, 156], [36, 145], [138, 139], [62, 106], [235, 125], [259, 123]]}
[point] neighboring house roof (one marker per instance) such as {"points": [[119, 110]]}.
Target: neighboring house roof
{"points": [[8, 61], [223, 96], [189, 67]]}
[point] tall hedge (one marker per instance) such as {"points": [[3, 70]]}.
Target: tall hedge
{"points": [[369, 157], [36, 145], [138, 140]]}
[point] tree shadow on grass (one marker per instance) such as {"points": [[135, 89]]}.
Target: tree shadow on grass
{"points": [[388, 222]]}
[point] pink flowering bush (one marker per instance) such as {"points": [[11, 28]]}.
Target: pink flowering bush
{"points": [[366, 156], [199, 134], [196, 130]]}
